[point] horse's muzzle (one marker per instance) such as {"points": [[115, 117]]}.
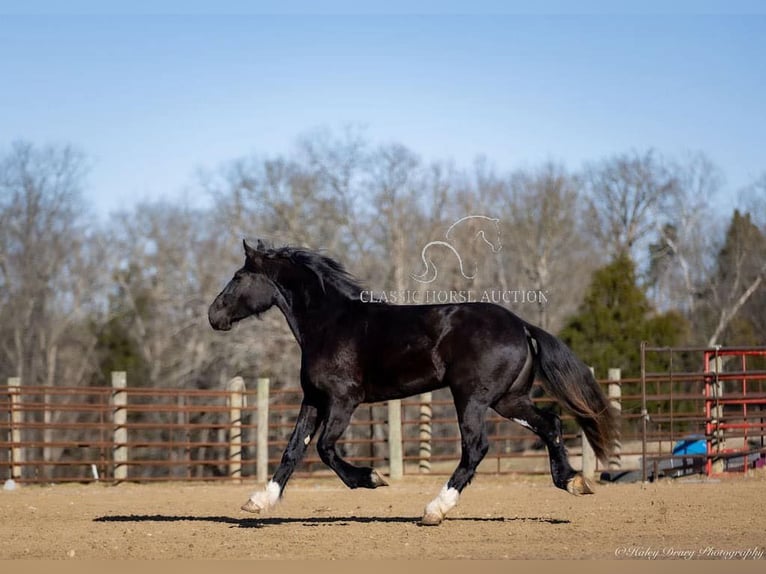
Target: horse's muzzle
{"points": [[218, 320]]}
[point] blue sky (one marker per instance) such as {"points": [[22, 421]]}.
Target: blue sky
{"points": [[152, 98]]}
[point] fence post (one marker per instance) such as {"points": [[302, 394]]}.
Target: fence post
{"points": [[719, 439], [48, 436], [119, 419], [17, 419], [588, 456], [395, 460], [262, 437], [236, 403], [424, 451], [614, 391]]}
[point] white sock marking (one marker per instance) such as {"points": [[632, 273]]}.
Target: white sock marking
{"points": [[268, 498], [442, 504]]}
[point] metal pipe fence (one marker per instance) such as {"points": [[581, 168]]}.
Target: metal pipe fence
{"points": [[131, 433]]}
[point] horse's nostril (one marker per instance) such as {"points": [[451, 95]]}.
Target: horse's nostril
{"points": [[218, 321], [220, 325]]}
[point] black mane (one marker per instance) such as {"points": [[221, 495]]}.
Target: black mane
{"points": [[329, 271]]}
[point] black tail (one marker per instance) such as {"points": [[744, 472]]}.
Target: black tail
{"points": [[572, 384]]}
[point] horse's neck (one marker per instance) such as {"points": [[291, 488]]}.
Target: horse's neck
{"points": [[291, 317], [303, 321]]}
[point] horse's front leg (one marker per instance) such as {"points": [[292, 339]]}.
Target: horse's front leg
{"points": [[339, 411], [305, 427]]}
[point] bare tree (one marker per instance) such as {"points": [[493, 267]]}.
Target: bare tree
{"points": [[547, 248], [46, 265], [168, 263], [338, 165], [627, 196], [49, 275], [682, 257], [394, 183]]}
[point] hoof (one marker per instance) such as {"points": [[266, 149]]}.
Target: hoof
{"points": [[377, 480], [431, 519], [253, 507], [578, 485], [262, 500]]}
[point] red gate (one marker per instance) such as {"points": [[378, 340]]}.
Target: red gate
{"points": [[727, 398], [724, 403]]}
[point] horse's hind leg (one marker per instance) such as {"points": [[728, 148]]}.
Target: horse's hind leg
{"points": [[474, 445], [547, 425]]}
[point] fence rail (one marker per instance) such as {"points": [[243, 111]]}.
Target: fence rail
{"points": [[124, 432]]}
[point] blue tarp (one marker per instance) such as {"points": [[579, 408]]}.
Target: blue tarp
{"points": [[693, 444]]}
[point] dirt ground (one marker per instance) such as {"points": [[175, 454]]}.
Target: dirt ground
{"points": [[498, 517]]}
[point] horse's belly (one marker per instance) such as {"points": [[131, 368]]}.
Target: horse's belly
{"points": [[404, 377]]}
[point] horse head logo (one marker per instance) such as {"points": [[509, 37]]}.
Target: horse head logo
{"points": [[492, 239]]}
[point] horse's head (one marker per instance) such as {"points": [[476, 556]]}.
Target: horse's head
{"points": [[250, 292]]}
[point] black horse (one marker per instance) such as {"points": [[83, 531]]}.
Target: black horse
{"points": [[355, 352]]}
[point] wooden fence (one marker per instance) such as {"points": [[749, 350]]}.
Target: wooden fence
{"points": [[122, 432]]}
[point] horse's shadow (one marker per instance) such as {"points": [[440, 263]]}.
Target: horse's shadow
{"points": [[311, 520]]}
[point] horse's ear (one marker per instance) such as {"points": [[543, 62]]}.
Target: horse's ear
{"points": [[251, 253], [260, 246]]}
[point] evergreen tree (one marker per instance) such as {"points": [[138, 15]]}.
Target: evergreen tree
{"points": [[615, 317], [116, 347]]}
